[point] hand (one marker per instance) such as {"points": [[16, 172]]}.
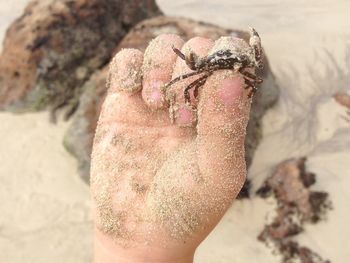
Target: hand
{"points": [[159, 187]]}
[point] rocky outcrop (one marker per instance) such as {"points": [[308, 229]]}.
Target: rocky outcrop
{"points": [[78, 140], [54, 47]]}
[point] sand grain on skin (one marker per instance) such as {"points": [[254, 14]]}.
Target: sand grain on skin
{"points": [[125, 69]]}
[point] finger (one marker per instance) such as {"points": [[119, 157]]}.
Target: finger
{"points": [[125, 71], [185, 114], [157, 68], [223, 112], [124, 102]]}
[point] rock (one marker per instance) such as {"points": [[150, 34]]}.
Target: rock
{"points": [[297, 204], [53, 48], [79, 137]]}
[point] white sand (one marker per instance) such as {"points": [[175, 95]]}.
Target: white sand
{"points": [[45, 215], [45, 207]]}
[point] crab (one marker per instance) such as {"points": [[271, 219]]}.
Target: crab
{"points": [[240, 60]]}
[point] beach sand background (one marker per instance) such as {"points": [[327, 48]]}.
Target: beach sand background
{"points": [[45, 207]]}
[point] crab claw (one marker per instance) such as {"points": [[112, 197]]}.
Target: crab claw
{"points": [[253, 32], [178, 52], [191, 60], [255, 43]]}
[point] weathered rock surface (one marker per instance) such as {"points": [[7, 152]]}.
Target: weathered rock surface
{"points": [[54, 47], [78, 140], [297, 205]]}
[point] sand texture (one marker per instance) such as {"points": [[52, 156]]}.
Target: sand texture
{"points": [[45, 208]]}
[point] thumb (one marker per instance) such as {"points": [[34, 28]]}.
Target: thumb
{"points": [[223, 113]]}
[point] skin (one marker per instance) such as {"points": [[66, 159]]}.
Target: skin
{"points": [[158, 187]]}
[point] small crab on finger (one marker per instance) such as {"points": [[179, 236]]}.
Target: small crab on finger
{"points": [[242, 60]]}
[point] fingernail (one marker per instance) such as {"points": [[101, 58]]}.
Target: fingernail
{"points": [[230, 92], [186, 116], [153, 95]]}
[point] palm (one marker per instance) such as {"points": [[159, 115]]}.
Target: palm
{"points": [[136, 155]]}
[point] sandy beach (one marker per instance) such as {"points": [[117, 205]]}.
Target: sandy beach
{"points": [[45, 208]]}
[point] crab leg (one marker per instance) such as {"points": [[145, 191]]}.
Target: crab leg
{"points": [[252, 91], [179, 53], [182, 77], [195, 84], [255, 43], [250, 80], [249, 83], [247, 74]]}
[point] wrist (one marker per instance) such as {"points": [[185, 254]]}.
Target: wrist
{"points": [[107, 251]]}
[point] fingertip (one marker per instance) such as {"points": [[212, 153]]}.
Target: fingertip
{"points": [[230, 92], [223, 103], [198, 46], [125, 71], [157, 68]]}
